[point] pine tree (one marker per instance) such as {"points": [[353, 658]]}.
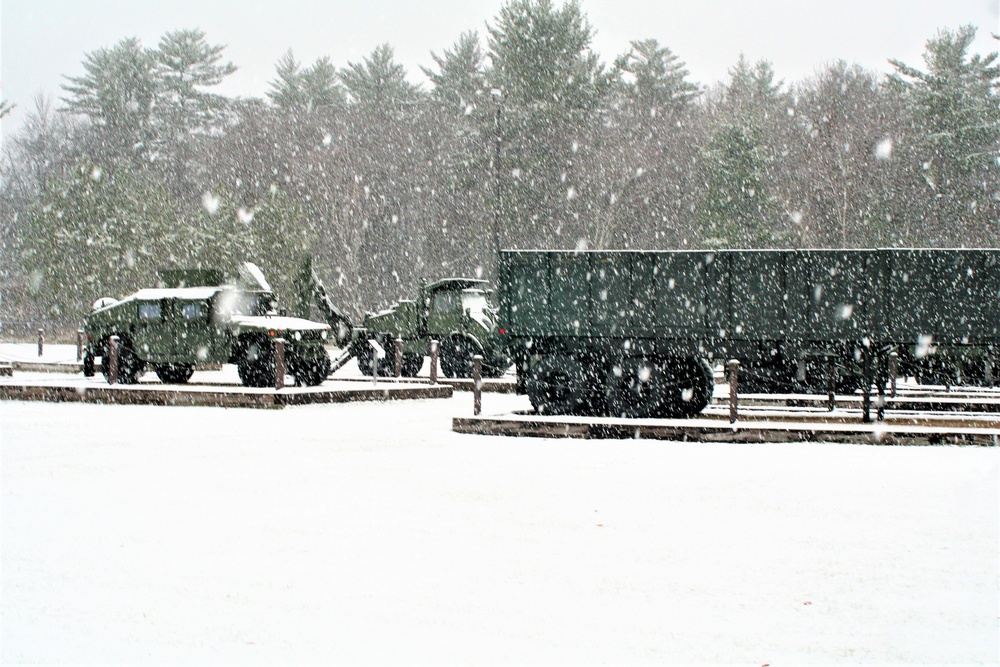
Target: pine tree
{"points": [[659, 79], [956, 104], [461, 81], [315, 88], [542, 55], [552, 86], [186, 66], [117, 93], [100, 233], [379, 82], [735, 210]]}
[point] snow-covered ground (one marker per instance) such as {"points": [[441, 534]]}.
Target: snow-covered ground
{"points": [[371, 533]]}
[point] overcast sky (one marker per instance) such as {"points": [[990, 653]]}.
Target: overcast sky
{"points": [[42, 40]]}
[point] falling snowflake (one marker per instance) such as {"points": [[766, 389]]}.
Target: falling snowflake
{"points": [[211, 203], [883, 149]]}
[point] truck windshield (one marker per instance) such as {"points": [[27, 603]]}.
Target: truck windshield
{"points": [[474, 301]]}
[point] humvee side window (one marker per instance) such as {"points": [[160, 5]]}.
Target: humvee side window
{"points": [[444, 302], [149, 311], [193, 311]]}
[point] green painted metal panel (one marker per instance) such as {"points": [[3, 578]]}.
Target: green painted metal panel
{"points": [[758, 294], [834, 294], [682, 287], [524, 299], [569, 294], [610, 282]]}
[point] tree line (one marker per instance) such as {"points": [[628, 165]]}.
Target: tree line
{"points": [[523, 136]]}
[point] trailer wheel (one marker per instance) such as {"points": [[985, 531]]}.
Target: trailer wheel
{"points": [[643, 387], [559, 385], [174, 373], [365, 354], [633, 388], [693, 382], [256, 364]]}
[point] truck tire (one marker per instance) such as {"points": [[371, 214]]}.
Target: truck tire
{"points": [[256, 364], [174, 373], [632, 388], [364, 354], [412, 364], [456, 356], [559, 385]]}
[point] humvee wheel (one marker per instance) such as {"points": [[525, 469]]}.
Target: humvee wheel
{"points": [[456, 356], [130, 366], [256, 364], [174, 373], [313, 372]]}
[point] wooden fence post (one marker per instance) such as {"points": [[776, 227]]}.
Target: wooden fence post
{"points": [[477, 384], [398, 361], [435, 345], [279, 363], [113, 344], [734, 375]]}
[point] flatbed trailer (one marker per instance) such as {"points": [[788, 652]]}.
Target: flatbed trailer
{"points": [[637, 333]]}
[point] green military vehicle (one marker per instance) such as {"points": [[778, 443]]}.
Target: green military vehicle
{"points": [[196, 319], [636, 334], [455, 311]]}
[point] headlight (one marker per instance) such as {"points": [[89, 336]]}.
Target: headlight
{"points": [[298, 335], [325, 335]]}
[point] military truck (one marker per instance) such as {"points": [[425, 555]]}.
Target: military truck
{"points": [[455, 311], [636, 334], [194, 318]]}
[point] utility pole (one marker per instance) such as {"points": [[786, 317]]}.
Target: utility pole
{"points": [[497, 193]]}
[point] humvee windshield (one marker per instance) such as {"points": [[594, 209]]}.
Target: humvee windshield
{"points": [[246, 303]]}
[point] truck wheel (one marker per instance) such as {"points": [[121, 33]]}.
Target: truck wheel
{"points": [[559, 385], [364, 354], [412, 363], [88, 364], [456, 356], [174, 373], [256, 364]]}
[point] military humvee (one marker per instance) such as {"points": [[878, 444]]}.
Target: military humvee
{"points": [[196, 319]]}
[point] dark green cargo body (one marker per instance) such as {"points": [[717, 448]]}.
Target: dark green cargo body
{"points": [[786, 314]]}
